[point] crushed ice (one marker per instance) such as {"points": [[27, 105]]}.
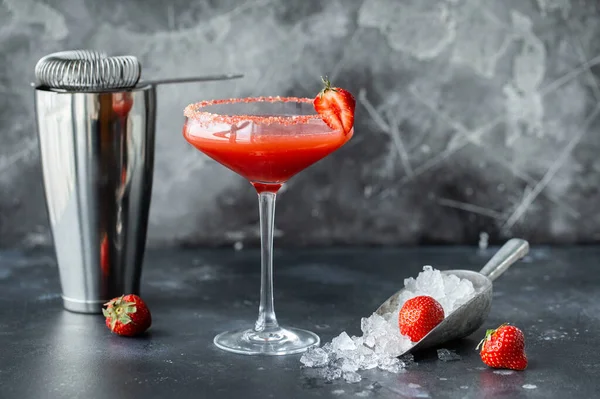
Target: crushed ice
{"points": [[381, 342]]}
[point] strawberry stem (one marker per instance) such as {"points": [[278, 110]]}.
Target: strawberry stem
{"points": [[327, 87], [119, 310], [488, 335]]}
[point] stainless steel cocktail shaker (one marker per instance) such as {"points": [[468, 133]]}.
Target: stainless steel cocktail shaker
{"points": [[95, 123], [97, 166]]}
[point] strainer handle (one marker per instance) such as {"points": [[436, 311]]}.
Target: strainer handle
{"points": [[512, 251], [206, 78]]}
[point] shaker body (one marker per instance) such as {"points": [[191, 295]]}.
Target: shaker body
{"points": [[97, 156]]}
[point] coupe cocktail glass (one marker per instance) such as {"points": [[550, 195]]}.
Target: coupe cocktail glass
{"points": [[267, 140]]}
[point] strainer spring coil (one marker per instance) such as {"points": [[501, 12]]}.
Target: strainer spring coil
{"points": [[86, 70]]}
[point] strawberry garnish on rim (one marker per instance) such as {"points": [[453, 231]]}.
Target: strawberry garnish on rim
{"points": [[336, 107]]}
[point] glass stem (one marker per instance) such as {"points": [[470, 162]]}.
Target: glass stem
{"points": [[267, 321]]}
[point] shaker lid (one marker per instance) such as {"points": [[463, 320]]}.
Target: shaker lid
{"points": [[87, 70]]}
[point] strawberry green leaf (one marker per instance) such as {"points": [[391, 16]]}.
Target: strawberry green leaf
{"points": [[130, 309]]}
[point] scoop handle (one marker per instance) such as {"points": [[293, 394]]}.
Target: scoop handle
{"points": [[512, 251]]}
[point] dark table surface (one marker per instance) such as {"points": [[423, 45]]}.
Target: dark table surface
{"points": [[47, 352]]}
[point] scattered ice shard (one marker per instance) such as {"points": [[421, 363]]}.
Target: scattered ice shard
{"points": [[342, 343], [332, 374], [446, 355], [391, 364], [503, 372], [347, 364], [407, 359], [314, 357], [352, 377]]}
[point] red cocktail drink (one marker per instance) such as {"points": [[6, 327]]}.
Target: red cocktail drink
{"points": [[265, 149]]}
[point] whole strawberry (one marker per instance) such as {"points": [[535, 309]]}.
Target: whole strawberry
{"points": [[336, 107], [504, 348], [418, 316], [127, 315]]}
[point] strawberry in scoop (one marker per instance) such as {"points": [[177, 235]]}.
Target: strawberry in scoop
{"points": [[418, 316], [504, 348], [336, 107], [127, 315]]}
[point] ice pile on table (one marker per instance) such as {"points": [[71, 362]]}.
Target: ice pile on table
{"points": [[381, 342]]}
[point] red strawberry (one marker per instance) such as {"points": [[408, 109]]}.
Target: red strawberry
{"points": [[504, 348], [127, 315], [336, 107], [418, 316]]}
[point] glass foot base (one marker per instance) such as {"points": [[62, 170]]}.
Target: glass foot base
{"points": [[282, 341]]}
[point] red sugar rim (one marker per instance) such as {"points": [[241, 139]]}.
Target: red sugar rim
{"points": [[194, 111]]}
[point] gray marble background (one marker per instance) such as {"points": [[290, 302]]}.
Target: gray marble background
{"points": [[472, 116]]}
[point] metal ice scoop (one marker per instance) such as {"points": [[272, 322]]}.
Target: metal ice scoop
{"points": [[471, 315]]}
